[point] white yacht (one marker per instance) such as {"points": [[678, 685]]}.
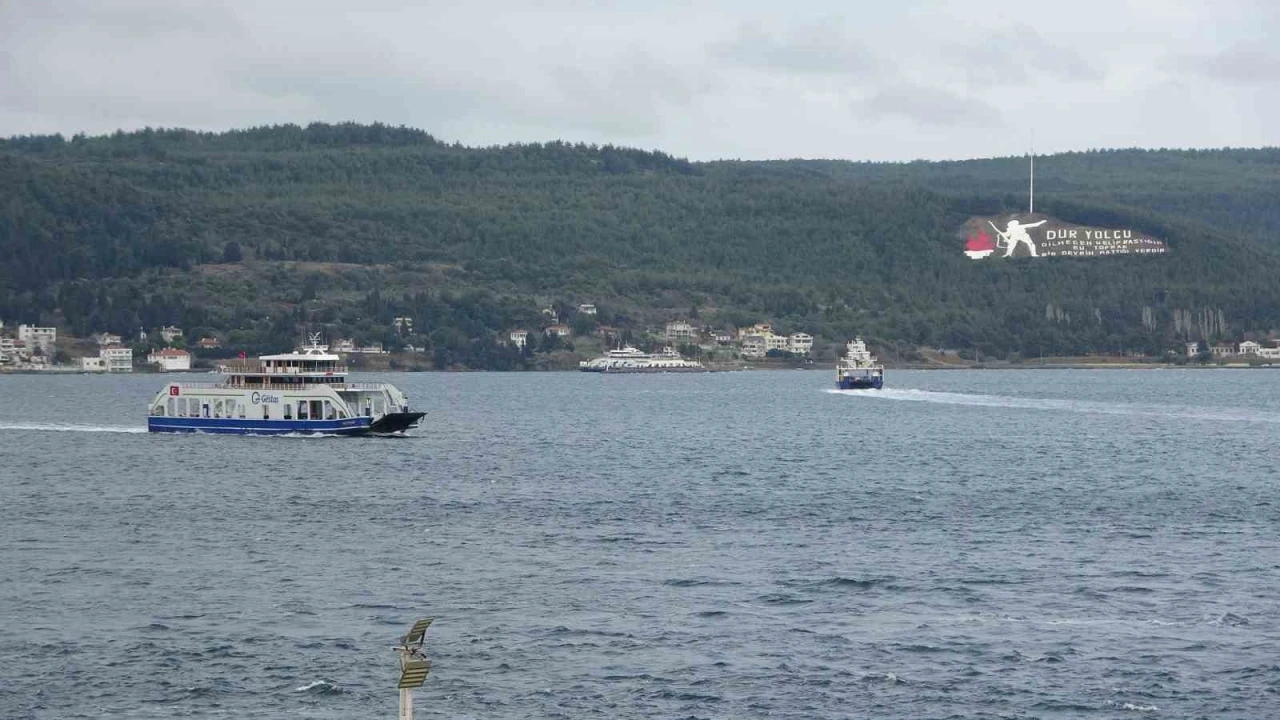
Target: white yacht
{"points": [[631, 360], [305, 391]]}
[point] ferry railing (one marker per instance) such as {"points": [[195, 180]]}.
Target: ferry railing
{"points": [[339, 386]]}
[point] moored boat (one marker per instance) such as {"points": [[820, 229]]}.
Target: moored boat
{"points": [[632, 360], [859, 369], [305, 391]]}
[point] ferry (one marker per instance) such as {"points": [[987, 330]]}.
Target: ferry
{"points": [[859, 369], [305, 392], [631, 360]]}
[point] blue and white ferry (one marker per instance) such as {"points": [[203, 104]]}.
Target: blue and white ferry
{"points": [[305, 392], [859, 369]]}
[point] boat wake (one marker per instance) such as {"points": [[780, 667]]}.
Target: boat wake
{"points": [[62, 427], [1060, 405]]}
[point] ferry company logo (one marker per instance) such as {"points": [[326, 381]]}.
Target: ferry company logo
{"points": [[263, 398], [1044, 236], [174, 390]]}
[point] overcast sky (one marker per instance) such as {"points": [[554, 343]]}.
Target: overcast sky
{"points": [[889, 80]]}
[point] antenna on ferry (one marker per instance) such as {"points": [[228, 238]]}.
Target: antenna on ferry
{"points": [[414, 665]]}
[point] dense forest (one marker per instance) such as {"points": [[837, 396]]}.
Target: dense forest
{"points": [[256, 234]]}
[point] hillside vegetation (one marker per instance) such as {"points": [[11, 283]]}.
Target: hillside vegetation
{"points": [[252, 234]]}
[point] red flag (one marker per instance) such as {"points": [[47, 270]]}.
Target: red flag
{"points": [[242, 355]]}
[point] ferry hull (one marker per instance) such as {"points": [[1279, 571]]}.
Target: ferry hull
{"points": [[620, 371], [395, 422], [247, 426], [861, 383]]}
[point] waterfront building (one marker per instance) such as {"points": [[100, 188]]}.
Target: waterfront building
{"points": [[169, 360]]}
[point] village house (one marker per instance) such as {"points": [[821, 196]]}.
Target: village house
{"points": [[519, 338], [116, 358], [169, 333], [754, 346], [403, 324], [1222, 350], [587, 309], [558, 330], [757, 329], [169, 360], [1269, 353], [680, 331], [1193, 349], [799, 343], [107, 338], [344, 345], [42, 337], [209, 343]]}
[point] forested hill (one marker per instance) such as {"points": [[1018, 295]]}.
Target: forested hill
{"points": [[344, 227]]}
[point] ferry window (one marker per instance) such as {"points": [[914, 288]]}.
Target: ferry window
{"points": [[317, 410], [240, 410], [328, 410], [158, 410], [288, 411], [302, 409], [217, 408], [205, 409], [170, 407], [266, 412]]}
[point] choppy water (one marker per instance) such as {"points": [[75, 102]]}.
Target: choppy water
{"points": [[1045, 544]]}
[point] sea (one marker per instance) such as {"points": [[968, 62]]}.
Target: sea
{"points": [[961, 544]]}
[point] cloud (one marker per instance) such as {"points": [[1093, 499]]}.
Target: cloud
{"points": [[929, 106], [817, 49], [1020, 56], [1241, 65]]}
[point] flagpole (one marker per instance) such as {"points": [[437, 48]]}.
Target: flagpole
{"points": [[1032, 195]]}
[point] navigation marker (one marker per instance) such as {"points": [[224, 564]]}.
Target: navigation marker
{"points": [[414, 665]]}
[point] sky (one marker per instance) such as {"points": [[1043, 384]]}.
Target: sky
{"points": [[897, 80]]}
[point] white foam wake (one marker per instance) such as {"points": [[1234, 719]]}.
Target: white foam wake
{"points": [[64, 427], [1061, 405]]}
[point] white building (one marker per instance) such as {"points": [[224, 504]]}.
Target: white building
{"points": [[1269, 353], [799, 343], [757, 329], [91, 364], [558, 331], [169, 333], [1193, 349], [680, 331], [116, 358], [169, 360], [775, 342], [519, 338], [587, 309], [403, 324], [344, 345], [33, 336], [107, 338], [1249, 347], [1223, 350]]}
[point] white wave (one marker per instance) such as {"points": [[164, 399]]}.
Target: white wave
{"points": [[1061, 405], [322, 684], [64, 427]]}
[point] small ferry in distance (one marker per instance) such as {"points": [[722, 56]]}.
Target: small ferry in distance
{"points": [[631, 360], [859, 369], [305, 391]]}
